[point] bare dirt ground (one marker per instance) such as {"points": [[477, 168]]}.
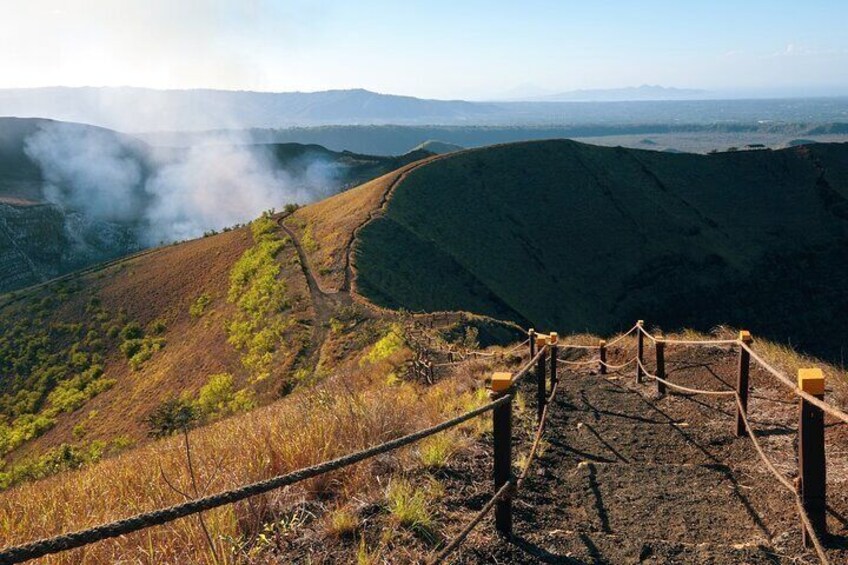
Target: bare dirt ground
{"points": [[629, 476]]}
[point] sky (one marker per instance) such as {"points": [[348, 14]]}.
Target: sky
{"points": [[471, 49]]}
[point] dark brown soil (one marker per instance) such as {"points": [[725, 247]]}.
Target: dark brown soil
{"points": [[629, 476]]}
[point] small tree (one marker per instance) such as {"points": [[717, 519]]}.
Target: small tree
{"points": [[172, 416]]}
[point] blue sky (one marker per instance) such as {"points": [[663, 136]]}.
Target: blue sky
{"points": [[439, 48]]}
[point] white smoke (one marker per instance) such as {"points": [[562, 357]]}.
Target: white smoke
{"points": [[86, 169], [169, 195]]}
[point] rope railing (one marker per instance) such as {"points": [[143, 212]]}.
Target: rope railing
{"points": [[624, 335], [506, 485], [835, 412], [681, 388], [506, 490], [64, 542], [783, 481], [578, 363], [502, 493], [617, 367], [807, 523]]}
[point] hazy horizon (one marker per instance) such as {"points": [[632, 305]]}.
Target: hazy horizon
{"points": [[474, 50]]}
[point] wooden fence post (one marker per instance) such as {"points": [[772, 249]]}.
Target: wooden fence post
{"points": [[502, 432], [660, 363], [552, 342], [602, 356], [541, 392], [812, 476], [640, 350], [532, 334], [742, 386]]}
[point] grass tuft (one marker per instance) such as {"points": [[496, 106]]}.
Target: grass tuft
{"points": [[408, 506]]}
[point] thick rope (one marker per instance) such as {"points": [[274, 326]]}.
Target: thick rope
{"points": [[702, 342], [579, 363], [505, 490], [616, 367], [684, 388], [622, 336], [80, 538], [519, 376], [517, 347], [646, 334], [835, 412], [537, 439], [540, 429], [783, 481]]}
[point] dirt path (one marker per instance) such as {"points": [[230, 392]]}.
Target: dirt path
{"points": [[350, 268], [629, 476], [325, 304]]}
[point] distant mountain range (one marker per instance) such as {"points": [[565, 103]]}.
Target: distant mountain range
{"points": [[632, 93], [141, 109], [135, 110]]}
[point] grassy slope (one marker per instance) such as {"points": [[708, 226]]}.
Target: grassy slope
{"points": [[576, 237], [161, 285]]}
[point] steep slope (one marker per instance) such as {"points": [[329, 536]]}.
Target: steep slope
{"points": [[578, 237], [86, 360]]}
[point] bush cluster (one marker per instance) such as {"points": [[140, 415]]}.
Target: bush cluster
{"points": [[260, 297]]}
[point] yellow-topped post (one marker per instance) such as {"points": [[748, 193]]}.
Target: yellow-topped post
{"points": [[502, 439], [812, 467], [501, 382], [811, 381], [742, 382]]}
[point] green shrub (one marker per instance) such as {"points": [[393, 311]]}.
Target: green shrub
{"points": [[257, 329], [216, 396], [199, 305], [132, 331], [157, 327], [386, 346]]}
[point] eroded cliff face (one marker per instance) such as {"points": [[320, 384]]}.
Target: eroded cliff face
{"points": [[40, 241]]}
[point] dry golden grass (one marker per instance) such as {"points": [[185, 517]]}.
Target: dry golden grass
{"points": [[781, 356], [346, 412]]}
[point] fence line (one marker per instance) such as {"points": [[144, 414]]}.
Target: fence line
{"points": [[141, 521], [683, 388], [807, 524], [502, 402], [783, 481], [835, 412]]}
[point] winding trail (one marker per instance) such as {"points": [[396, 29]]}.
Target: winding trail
{"points": [[326, 304], [350, 267]]}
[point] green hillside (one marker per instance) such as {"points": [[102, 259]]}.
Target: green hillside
{"points": [[578, 237]]}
